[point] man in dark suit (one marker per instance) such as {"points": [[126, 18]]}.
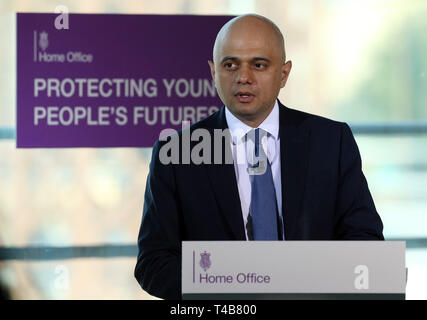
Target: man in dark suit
{"points": [[311, 186]]}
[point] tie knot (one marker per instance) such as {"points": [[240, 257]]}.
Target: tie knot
{"points": [[257, 158], [256, 136]]}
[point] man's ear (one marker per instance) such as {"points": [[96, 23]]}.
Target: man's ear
{"points": [[286, 70], [212, 66]]}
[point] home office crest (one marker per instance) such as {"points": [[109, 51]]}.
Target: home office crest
{"points": [[43, 40], [205, 261]]}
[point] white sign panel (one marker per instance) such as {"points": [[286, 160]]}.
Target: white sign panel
{"points": [[347, 267]]}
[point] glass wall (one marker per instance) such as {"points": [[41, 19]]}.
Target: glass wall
{"points": [[358, 61]]}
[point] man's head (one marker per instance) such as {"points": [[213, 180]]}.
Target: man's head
{"points": [[249, 67]]}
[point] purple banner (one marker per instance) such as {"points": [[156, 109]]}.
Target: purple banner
{"points": [[112, 80]]}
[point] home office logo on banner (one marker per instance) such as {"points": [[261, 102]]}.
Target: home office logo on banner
{"points": [[59, 57]]}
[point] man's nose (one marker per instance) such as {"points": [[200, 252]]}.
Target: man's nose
{"points": [[244, 76]]}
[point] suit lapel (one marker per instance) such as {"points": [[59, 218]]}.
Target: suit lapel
{"points": [[294, 148], [224, 185]]}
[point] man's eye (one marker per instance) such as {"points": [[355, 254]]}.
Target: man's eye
{"points": [[260, 65], [229, 65]]}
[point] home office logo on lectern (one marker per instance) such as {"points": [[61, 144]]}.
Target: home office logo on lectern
{"points": [[224, 278], [205, 261], [41, 55]]}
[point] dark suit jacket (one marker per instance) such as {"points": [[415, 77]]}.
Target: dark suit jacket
{"points": [[325, 196]]}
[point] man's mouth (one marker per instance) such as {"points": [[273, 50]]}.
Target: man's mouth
{"points": [[245, 97]]}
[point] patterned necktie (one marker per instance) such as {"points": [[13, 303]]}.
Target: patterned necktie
{"points": [[262, 219]]}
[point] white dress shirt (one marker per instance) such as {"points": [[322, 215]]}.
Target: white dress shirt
{"points": [[238, 130]]}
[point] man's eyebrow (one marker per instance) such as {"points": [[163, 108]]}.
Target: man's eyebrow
{"points": [[229, 58], [261, 58]]}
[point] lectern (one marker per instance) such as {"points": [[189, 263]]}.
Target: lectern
{"points": [[293, 270]]}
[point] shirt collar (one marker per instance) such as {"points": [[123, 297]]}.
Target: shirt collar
{"points": [[239, 129]]}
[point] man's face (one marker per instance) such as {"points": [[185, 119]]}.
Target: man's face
{"points": [[249, 71]]}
